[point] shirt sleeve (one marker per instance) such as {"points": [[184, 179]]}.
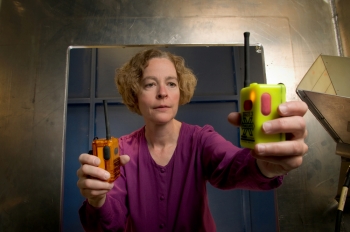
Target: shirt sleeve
{"points": [[227, 166], [112, 215]]}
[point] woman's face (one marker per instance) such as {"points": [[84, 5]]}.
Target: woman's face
{"points": [[159, 93]]}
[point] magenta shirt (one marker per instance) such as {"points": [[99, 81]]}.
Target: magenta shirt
{"points": [[150, 197]]}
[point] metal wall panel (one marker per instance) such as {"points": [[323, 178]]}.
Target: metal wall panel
{"points": [[342, 16], [34, 39]]}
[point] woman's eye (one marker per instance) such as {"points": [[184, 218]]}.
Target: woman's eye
{"points": [[147, 85], [172, 84]]}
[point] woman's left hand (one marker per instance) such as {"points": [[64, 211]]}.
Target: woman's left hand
{"points": [[278, 158]]}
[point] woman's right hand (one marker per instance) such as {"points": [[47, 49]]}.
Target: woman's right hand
{"points": [[92, 180]]}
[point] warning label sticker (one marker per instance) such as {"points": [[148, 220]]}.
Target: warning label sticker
{"points": [[247, 126]]}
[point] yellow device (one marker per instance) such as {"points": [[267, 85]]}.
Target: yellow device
{"points": [[107, 149], [258, 104]]}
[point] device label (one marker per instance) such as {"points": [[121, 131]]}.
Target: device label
{"points": [[247, 126]]}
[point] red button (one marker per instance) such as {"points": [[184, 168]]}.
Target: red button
{"points": [[248, 105], [265, 104]]}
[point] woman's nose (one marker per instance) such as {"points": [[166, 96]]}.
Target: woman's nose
{"points": [[162, 92]]}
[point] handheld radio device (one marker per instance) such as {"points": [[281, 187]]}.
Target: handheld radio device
{"points": [[108, 151], [258, 104]]}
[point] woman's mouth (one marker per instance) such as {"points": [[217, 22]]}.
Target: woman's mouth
{"points": [[161, 107]]}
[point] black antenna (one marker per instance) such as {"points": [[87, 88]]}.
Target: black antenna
{"points": [[246, 60], [108, 135]]}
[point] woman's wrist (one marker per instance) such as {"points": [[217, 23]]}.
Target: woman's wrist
{"points": [[263, 172], [97, 202]]}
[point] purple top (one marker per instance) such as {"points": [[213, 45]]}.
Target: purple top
{"points": [[150, 197]]}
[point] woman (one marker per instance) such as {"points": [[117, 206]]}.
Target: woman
{"points": [[163, 185]]}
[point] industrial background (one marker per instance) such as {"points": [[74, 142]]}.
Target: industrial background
{"points": [[34, 40]]}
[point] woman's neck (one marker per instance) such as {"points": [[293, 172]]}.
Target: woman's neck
{"points": [[162, 135], [162, 140]]}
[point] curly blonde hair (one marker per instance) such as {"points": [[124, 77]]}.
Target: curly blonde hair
{"points": [[128, 77]]}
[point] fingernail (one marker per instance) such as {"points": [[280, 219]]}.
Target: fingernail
{"points": [[96, 161], [107, 175], [283, 108], [267, 127], [261, 149]]}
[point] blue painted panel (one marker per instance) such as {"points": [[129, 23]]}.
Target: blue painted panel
{"points": [[263, 211], [76, 143], [79, 73]]}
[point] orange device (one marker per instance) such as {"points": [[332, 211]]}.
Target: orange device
{"points": [[258, 104], [107, 149]]}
